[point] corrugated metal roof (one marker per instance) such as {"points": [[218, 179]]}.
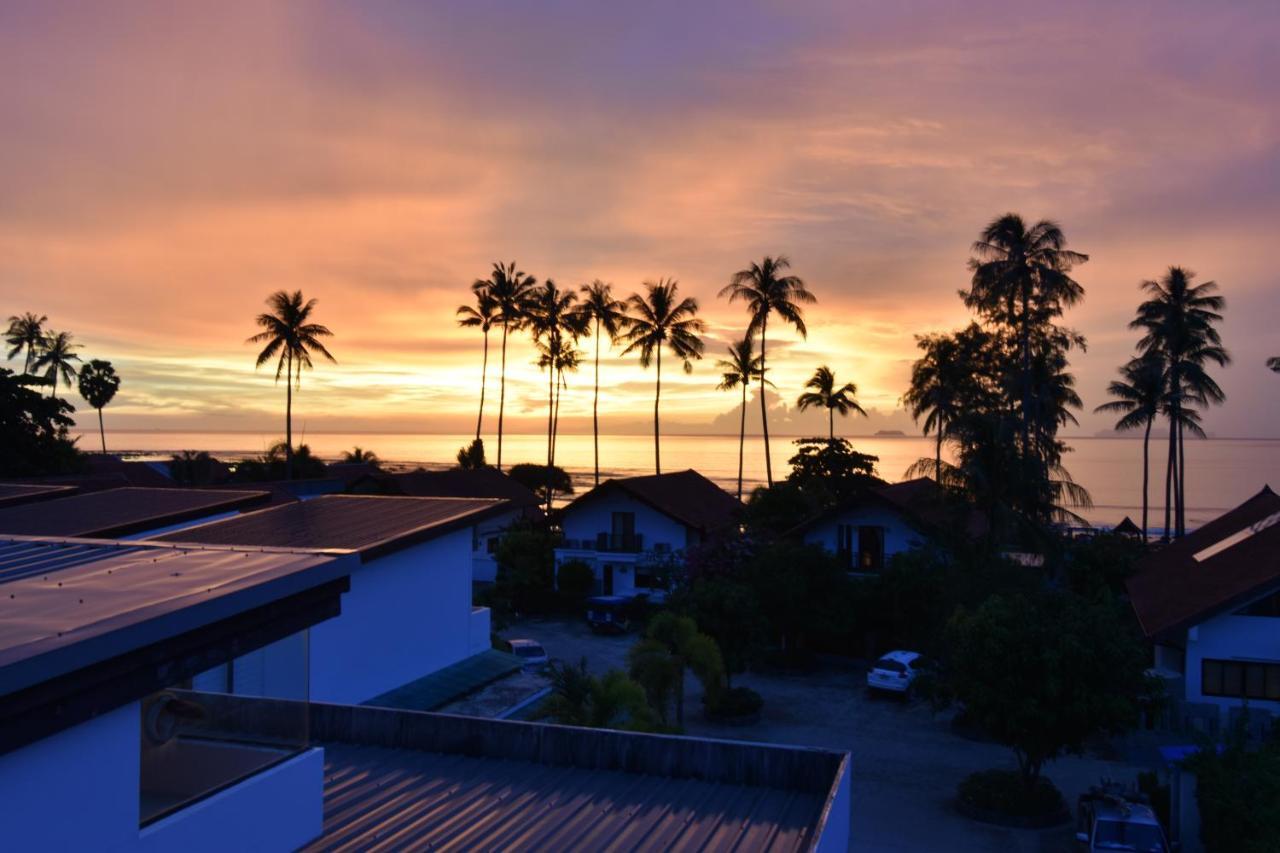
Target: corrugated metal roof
{"points": [[377, 798], [12, 494], [121, 512]]}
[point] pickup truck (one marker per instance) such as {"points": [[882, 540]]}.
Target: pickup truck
{"points": [[1110, 817]]}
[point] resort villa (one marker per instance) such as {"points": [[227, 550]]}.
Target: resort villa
{"points": [[633, 531], [108, 740], [1211, 605]]}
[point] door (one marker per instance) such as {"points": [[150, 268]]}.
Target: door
{"points": [[870, 549]]}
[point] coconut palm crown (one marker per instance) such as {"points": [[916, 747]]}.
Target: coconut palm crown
{"points": [[55, 358], [606, 316], [483, 315], [823, 393], [510, 289], [1138, 397], [26, 332], [742, 366]]}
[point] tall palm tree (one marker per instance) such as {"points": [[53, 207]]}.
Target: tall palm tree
{"points": [[767, 290], [482, 315], [1139, 397], [742, 366], [607, 315], [55, 357], [292, 338], [552, 316], [98, 386], [824, 394], [934, 392], [565, 358], [509, 287], [1020, 280], [660, 317], [1178, 324], [26, 332]]}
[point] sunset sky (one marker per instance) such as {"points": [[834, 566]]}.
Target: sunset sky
{"points": [[164, 166]]}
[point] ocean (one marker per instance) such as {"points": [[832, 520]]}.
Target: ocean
{"points": [[1221, 473]]}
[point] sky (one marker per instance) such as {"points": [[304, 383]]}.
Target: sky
{"points": [[165, 166]]}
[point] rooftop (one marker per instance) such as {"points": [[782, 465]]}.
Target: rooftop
{"points": [[122, 512], [1224, 564], [452, 483], [686, 496], [12, 494], [921, 501], [371, 525]]}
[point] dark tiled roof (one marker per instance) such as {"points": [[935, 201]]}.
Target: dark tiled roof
{"points": [[122, 512], [1127, 527], [452, 483], [1239, 559], [922, 503], [12, 494], [372, 525], [686, 496]]}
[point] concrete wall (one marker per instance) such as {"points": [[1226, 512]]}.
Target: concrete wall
{"points": [[898, 535], [591, 517], [1228, 637]]}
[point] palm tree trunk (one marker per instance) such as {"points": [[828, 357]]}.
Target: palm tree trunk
{"points": [[102, 433], [1146, 470], [595, 407], [1182, 482], [937, 455], [742, 436], [657, 394], [1171, 464], [484, 374], [288, 418], [551, 412], [502, 392], [831, 424], [764, 413]]}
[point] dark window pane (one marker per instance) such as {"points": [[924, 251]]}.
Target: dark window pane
{"points": [[1254, 680], [1232, 679], [1211, 678], [1273, 681]]}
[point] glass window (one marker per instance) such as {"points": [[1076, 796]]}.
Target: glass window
{"points": [[1273, 682], [1232, 679], [889, 665], [1211, 678], [1255, 678], [1240, 679]]}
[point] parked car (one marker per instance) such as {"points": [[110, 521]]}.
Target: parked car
{"points": [[611, 613], [895, 672], [1109, 817], [530, 652]]}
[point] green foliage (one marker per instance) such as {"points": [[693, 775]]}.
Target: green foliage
{"points": [[613, 701], [575, 580], [471, 457], [33, 431], [526, 569], [360, 456], [1006, 792], [534, 477], [831, 471], [98, 383], [1238, 791], [1043, 674], [802, 592], [190, 468], [1098, 566], [657, 662], [726, 609], [774, 511]]}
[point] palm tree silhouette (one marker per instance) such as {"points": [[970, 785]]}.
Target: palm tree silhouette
{"points": [[1020, 281], [767, 291], [565, 357], [660, 317], [288, 334], [509, 288], [359, 456], [1178, 327], [607, 315], [26, 332], [552, 315], [482, 315], [739, 369], [824, 394], [98, 386], [934, 393], [1139, 396], [56, 354], [1274, 363]]}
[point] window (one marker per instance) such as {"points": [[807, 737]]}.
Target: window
{"points": [[491, 545], [1240, 679], [870, 549], [623, 535]]}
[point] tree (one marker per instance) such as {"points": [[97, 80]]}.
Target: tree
{"points": [[831, 471], [1139, 396], [725, 608], [824, 394], [190, 468], [98, 386], [55, 357], [537, 478], [33, 431], [565, 357], [575, 580], [948, 377], [359, 456], [552, 316], [1238, 794], [661, 318], [799, 588], [612, 701], [672, 644], [1077, 666], [292, 338], [510, 290], [1178, 325], [526, 567], [471, 457], [767, 290], [482, 315], [607, 315], [739, 369], [26, 332]]}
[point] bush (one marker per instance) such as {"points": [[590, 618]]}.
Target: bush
{"points": [[575, 580], [1006, 793], [734, 702]]}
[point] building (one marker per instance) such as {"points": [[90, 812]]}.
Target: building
{"points": [[1210, 603], [14, 494], [522, 504], [126, 512], [409, 612], [107, 743], [634, 531]]}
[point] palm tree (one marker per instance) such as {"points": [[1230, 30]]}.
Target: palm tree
{"points": [[766, 290], [607, 315], [565, 357], [824, 394], [26, 331], [552, 315], [1020, 280], [1139, 397], [509, 288], [672, 644], [934, 392], [290, 336], [740, 368], [359, 456], [1178, 327], [56, 354], [98, 385], [660, 317], [483, 315]]}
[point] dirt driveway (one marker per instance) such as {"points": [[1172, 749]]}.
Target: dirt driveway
{"points": [[906, 762]]}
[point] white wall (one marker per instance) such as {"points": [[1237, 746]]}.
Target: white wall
{"points": [[586, 520], [1227, 637], [484, 568], [898, 535], [835, 836]]}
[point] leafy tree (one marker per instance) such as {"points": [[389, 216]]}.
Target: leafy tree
{"points": [[292, 338], [510, 289], [739, 369], [33, 431], [612, 701], [1043, 674], [471, 457], [772, 512], [767, 289], [575, 580], [656, 319], [607, 316], [823, 393], [55, 357], [359, 456], [800, 590], [483, 315], [26, 332], [1238, 793], [830, 471], [671, 645], [1097, 567], [526, 569], [98, 386], [727, 611], [1139, 396], [538, 478]]}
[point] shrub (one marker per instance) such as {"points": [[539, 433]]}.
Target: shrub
{"points": [[1004, 792], [734, 702], [575, 580]]}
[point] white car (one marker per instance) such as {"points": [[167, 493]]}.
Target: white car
{"points": [[530, 652], [895, 672]]}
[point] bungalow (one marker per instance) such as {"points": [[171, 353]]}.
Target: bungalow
{"points": [[409, 612], [106, 742], [126, 512], [1210, 603], [631, 530]]}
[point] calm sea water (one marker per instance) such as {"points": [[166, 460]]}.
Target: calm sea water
{"points": [[1221, 472]]}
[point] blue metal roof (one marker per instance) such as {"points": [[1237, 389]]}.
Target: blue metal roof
{"points": [[22, 558]]}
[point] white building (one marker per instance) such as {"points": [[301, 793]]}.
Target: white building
{"points": [[1210, 603], [633, 531]]}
